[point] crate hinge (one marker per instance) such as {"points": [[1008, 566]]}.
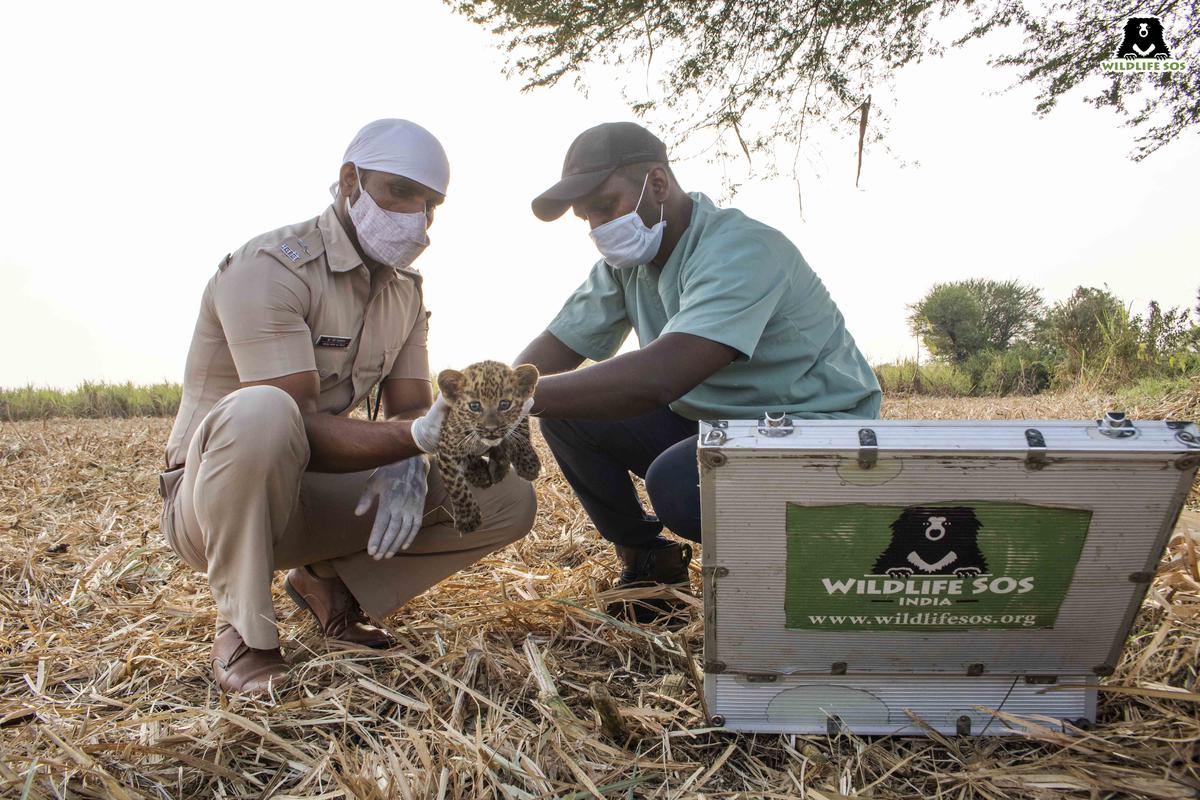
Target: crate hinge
{"points": [[1035, 457], [868, 448]]}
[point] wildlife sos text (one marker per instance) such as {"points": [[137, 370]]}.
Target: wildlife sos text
{"points": [[937, 590]]}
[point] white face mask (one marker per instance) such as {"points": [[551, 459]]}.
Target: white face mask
{"points": [[626, 242], [393, 238]]}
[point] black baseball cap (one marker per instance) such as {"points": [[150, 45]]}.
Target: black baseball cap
{"points": [[594, 155]]}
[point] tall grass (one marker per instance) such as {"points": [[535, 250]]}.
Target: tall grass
{"points": [[90, 400], [934, 379]]}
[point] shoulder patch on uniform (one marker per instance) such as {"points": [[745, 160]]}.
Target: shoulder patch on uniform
{"points": [[295, 251], [289, 252]]}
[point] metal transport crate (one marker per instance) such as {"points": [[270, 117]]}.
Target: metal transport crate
{"points": [[889, 576]]}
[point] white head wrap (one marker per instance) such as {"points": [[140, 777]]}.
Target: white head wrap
{"points": [[400, 147]]}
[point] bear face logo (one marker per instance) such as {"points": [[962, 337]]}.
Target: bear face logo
{"points": [[1143, 39], [933, 541]]}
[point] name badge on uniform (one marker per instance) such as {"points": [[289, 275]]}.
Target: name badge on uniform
{"points": [[333, 341]]}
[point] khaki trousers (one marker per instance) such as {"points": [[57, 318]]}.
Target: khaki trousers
{"points": [[244, 506]]}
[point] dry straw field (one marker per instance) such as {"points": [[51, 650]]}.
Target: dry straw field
{"points": [[105, 687]]}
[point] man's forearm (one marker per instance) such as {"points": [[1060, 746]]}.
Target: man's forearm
{"points": [[635, 383], [339, 444], [612, 389], [549, 355]]}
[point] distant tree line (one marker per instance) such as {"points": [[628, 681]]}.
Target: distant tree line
{"points": [[1001, 337]]}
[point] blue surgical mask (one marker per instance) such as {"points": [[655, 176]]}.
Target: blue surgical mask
{"points": [[626, 242]]}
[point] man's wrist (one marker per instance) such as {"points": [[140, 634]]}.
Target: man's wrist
{"points": [[405, 440]]}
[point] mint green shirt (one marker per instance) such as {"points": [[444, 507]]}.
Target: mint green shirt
{"points": [[739, 282]]}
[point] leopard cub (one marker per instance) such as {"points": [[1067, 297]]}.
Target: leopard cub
{"points": [[481, 436]]}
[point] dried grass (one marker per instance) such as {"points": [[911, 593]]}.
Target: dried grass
{"points": [[105, 689]]}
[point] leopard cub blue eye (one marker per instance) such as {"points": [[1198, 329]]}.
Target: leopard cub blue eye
{"points": [[505, 405], [475, 406]]}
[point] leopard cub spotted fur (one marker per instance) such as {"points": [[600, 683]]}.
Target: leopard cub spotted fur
{"points": [[481, 436]]}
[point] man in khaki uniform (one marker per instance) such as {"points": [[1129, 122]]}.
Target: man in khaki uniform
{"points": [[265, 469]]}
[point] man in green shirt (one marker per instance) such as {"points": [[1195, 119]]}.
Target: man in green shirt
{"points": [[732, 324]]}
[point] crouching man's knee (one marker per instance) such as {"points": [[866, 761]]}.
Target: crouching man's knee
{"points": [[514, 510], [261, 424], [524, 508]]}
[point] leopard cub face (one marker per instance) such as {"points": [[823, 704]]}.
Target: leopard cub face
{"points": [[485, 400]]}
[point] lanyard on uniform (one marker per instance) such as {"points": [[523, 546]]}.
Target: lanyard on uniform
{"points": [[373, 412]]}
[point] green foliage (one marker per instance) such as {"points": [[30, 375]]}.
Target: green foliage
{"points": [[934, 379], [1097, 341], [1010, 310], [962, 319], [1019, 370], [91, 400], [1000, 342], [949, 322], [758, 72], [1075, 328]]}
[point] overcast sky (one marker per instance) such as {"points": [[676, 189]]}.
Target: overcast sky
{"points": [[142, 142]]}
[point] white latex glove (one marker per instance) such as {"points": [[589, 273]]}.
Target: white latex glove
{"points": [[427, 428], [401, 489]]}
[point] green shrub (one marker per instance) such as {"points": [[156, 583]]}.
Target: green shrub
{"points": [[1019, 370], [1097, 342]]}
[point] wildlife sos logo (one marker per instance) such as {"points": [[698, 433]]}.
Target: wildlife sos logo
{"points": [[930, 567], [933, 541], [1143, 49]]}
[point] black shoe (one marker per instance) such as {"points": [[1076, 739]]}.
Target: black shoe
{"points": [[661, 561]]}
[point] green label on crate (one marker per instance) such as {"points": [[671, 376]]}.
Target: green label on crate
{"points": [[935, 567]]}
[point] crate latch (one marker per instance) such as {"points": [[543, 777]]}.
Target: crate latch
{"points": [[1036, 457], [775, 424], [1116, 425], [868, 448]]}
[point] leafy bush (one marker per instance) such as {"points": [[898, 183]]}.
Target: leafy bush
{"points": [[1097, 341], [1019, 370]]}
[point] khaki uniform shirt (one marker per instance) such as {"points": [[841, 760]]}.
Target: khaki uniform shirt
{"points": [[300, 299]]}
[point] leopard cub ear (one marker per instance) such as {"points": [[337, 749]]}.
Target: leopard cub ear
{"points": [[527, 377], [450, 382]]}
